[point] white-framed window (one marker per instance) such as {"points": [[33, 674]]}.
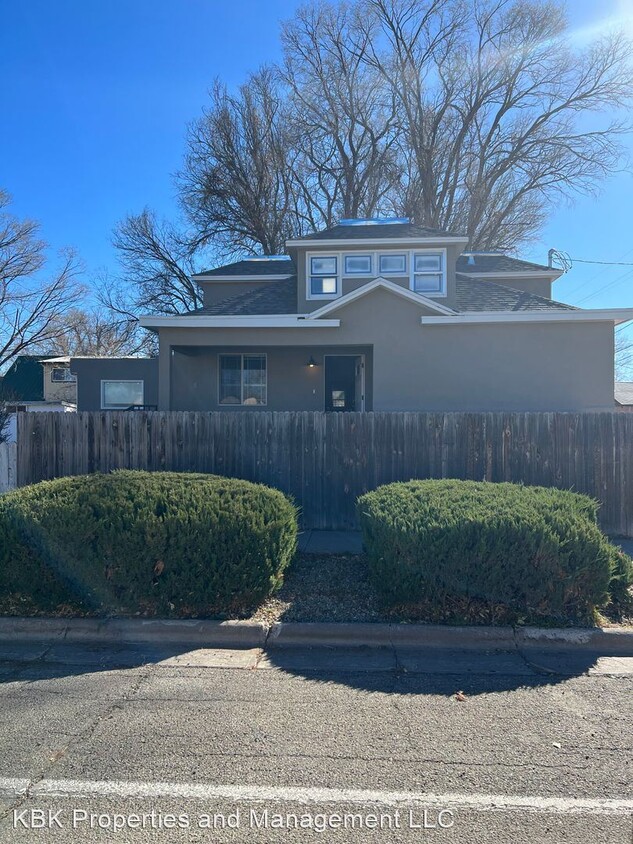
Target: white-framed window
{"points": [[425, 269], [242, 380], [429, 273], [119, 395], [324, 281], [392, 263], [357, 264], [62, 374]]}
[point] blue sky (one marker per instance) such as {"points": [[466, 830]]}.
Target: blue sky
{"points": [[96, 97]]}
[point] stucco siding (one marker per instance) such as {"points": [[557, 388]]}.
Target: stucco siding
{"points": [[91, 371], [512, 366]]}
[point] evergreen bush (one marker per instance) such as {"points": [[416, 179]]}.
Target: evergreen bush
{"points": [[536, 550], [151, 542]]}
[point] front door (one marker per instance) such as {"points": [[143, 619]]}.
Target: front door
{"points": [[341, 383]]}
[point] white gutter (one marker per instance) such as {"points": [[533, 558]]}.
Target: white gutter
{"points": [[250, 321], [616, 316]]}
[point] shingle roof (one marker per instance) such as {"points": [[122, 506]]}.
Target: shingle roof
{"points": [[377, 231], [280, 266], [280, 297], [24, 380], [477, 295], [496, 264], [624, 392], [277, 297]]}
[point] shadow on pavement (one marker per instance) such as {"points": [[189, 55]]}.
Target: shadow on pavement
{"points": [[418, 671]]}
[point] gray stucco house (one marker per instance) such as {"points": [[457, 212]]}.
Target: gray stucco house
{"points": [[367, 315]]}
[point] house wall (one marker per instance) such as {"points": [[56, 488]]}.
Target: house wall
{"points": [[305, 305], [511, 366], [91, 371]]}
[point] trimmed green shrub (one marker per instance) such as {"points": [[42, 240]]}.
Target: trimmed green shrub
{"points": [[149, 542], [536, 550]]}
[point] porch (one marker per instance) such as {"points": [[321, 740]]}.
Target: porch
{"points": [[330, 378]]}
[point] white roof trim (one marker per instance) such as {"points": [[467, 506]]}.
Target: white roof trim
{"points": [[474, 317], [362, 242], [62, 359], [509, 274], [404, 292], [238, 278], [226, 321]]}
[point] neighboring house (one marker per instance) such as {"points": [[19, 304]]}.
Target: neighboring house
{"points": [[624, 395], [375, 315], [36, 383]]}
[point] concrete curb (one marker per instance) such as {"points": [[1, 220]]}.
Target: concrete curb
{"points": [[607, 641], [295, 634], [248, 634], [105, 631]]}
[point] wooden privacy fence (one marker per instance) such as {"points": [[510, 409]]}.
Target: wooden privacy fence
{"points": [[325, 460], [8, 458]]}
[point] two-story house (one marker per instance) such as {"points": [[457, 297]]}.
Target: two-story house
{"points": [[376, 315]]}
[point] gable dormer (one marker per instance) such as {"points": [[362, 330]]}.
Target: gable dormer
{"points": [[339, 260]]}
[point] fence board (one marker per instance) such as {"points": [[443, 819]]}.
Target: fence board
{"points": [[8, 460], [326, 460]]}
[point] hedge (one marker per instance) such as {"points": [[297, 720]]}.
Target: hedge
{"points": [[159, 543], [536, 550]]}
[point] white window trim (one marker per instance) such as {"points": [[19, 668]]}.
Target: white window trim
{"points": [[375, 273], [105, 381], [242, 355]]}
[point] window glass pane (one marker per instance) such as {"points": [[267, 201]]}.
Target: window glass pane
{"points": [[393, 263], [428, 263], [122, 393], [428, 283], [358, 263], [62, 374], [338, 398], [230, 379], [322, 285], [243, 379], [322, 266]]}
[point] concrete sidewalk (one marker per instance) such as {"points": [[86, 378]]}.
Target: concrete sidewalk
{"points": [[331, 542]]}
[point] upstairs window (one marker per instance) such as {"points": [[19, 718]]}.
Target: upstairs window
{"points": [[324, 275], [358, 265], [392, 264], [243, 380], [428, 272], [62, 375]]}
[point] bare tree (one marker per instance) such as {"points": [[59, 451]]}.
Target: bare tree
{"points": [[235, 184], [623, 358], [32, 301], [490, 95], [99, 332], [342, 117], [158, 264]]}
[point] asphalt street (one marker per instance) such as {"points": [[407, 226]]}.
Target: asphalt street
{"points": [[139, 745]]}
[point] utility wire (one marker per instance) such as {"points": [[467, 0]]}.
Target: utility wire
{"points": [[607, 263]]}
